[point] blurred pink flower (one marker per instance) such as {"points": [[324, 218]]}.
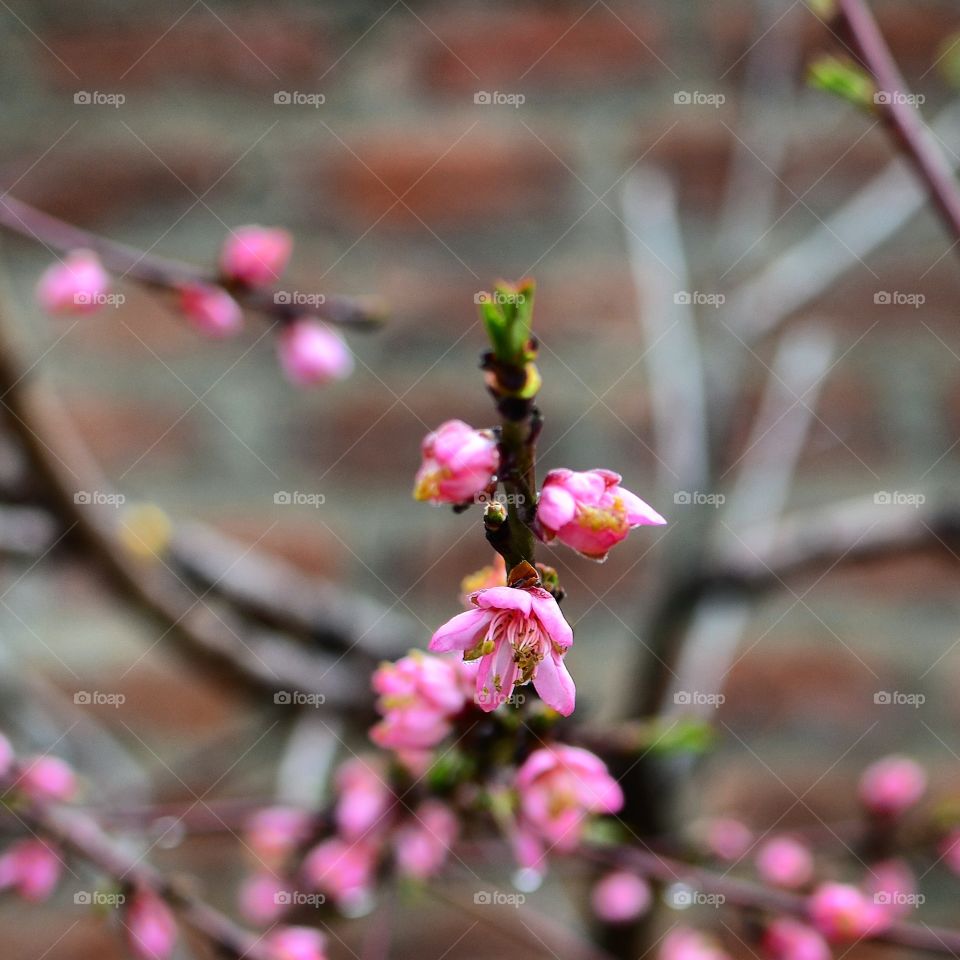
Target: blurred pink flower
{"points": [[76, 285], [275, 832], [7, 756], [297, 943], [255, 256], [151, 927], [210, 309], [728, 839], [589, 511], [950, 850], [363, 798], [262, 897], [47, 778], [683, 943], [621, 897], [458, 463], [342, 869], [843, 913], [519, 635], [312, 354], [893, 887], [421, 844], [789, 939], [32, 868], [892, 785], [785, 862], [559, 787]]}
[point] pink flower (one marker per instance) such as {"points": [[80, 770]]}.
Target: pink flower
{"points": [[76, 285], [842, 913], [421, 845], [621, 897], [255, 256], [789, 939], [519, 635], [892, 785], [312, 354], [275, 832], [785, 862], [210, 309], [559, 787], [7, 756], [32, 868], [458, 463], [893, 887], [263, 898], [47, 778], [589, 511], [151, 927], [728, 839], [363, 799], [297, 943], [950, 850], [417, 697], [342, 869], [682, 943]]}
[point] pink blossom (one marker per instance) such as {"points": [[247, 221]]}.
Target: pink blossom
{"points": [[559, 787], [7, 756], [418, 695], [421, 845], [589, 511], [789, 939], [843, 913], [263, 897], [458, 463], [76, 285], [151, 927], [893, 887], [297, 943], [210, 309], [621, 897], [275, 832], [32, 868], [255, 256], [47, 778], [363, 799], [683, 943], [950, 850], [312, 354], [342, 869], [728, 839], [785, 862], [519, 635], [892, 785]]}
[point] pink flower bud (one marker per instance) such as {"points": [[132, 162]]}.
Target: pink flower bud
{"points": [[211, 310], [682, 943], [364, 799], [341, 869], [728, 839], [76, 285], [151, 927], [263, 898], [47, 778], [559, 788], [789, 939], [32, 868], [275, 832], [621, 897], [842, 913], [893, 887], [7, 756], [950, 851], [458, 463], [255, 256], [312, 354], [422, 844], [297, 943], [785, 862], [892, 785], [590, 511]]}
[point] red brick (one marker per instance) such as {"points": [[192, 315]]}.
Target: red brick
{"points": [[512, 50]]}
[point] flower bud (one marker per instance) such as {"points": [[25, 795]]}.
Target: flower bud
{"points": [[255, 256], [151, 927], [263, 898], [843, 913], [297, 943], [32, 868], [785, 862], [422, 845], [621, 897], [312, 354], [47, 778], [889, 787], [789, 939], [275, 832], [458, 463], [76, 285], [210, 309], [728, 839]]}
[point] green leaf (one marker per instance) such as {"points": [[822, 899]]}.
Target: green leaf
{"points": [[948, 59], [679, 735], [843, 79]]}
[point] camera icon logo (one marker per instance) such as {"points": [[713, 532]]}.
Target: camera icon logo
{"points": [[82, 96], [683, 298], [82, 496], [682, 697], [682, 497], [483, 97], [282, 96], [282, 498], [282, 297], [882, 97], [882, 697], [882, 497], [283, 697], [283, 898], [82, 898], [882, 297], [683, 97], [82, 697], [482, 897]]}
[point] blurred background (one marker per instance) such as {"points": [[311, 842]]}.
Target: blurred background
{"points": [[420, 151]]}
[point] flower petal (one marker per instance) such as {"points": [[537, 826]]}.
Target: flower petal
{"points": [[556, 507], [547, 611], [504, 598], [555, 685], [460, 633], [639, 512]]}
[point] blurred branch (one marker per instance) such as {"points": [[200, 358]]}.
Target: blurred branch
{"points": [[159, 272]]}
